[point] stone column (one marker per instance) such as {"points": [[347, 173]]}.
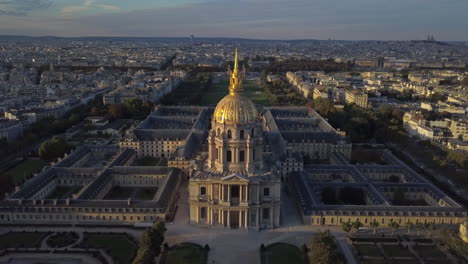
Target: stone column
{"points": [[211, 192], [257, 216], [229, 193], [240, 193], [235, 155], [228, 218], [221, 192], [240, 218], [258, 192], [272, 223], [246, 218], [247, 193]]}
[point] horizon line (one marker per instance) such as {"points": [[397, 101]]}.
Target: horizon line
{"points": [[233, 38]]}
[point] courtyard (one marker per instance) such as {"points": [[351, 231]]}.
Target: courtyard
{"points": [[135, 193]]}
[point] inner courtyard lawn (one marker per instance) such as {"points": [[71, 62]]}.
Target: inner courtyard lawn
{"points": [[136, 193], [118, 246], [185, 253], [24, 169], [22, 239], [279, 253]]}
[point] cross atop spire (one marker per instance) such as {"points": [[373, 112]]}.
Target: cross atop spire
{"points": [[236, 76]]}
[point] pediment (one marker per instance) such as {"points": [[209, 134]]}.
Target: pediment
{"points": [[235, 177]]}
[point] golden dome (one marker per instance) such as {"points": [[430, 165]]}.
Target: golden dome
{"points": [[235, 109]]}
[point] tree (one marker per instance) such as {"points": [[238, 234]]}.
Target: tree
{"points": [[115, 111], [394, 226], [430, 228], [53, 149], [347, 226], [409, 226], [323, 106], [419, 227], [357, 224], [324, 250], [150, 244], [374, 224]]}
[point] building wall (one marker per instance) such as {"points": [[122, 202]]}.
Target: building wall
{"points": [[213, 207], [337, 220]]}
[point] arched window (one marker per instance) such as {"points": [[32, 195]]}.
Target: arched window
{"points": [[219, 132], [241, 134], [252, 133], [229, 134]]}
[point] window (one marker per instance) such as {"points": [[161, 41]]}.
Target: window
{"points": [[266, 213], [219, 131], [229, 134], [252, 133], [228, 156], [253, 154], [203, 212], [266, 191], [203, 190], [241, 134], [241, 156]]}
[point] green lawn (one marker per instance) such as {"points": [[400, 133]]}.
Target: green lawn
{"points": [[146, 161], [429, 252], [369, 250], [146, 193], [62, 239], [279, 253], [119, 247], [185, 253], [24, 169], [396, 251], [21, 239], [217, 91]]}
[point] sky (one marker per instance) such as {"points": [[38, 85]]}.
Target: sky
{"points": [[258, 19]]}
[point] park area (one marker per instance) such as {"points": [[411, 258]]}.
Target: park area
{"points": [[23, 170], [279, 253], [202, 90], [118, 246], [185, 253], [22, 239], [402, 249], [219, 89]]}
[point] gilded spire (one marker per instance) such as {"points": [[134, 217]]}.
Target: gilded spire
{"points": [[235, 85]]}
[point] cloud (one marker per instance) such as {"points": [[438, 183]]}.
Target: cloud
{"points": [[267, 19], [109, 7], [22, 7], [86, 6]]}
